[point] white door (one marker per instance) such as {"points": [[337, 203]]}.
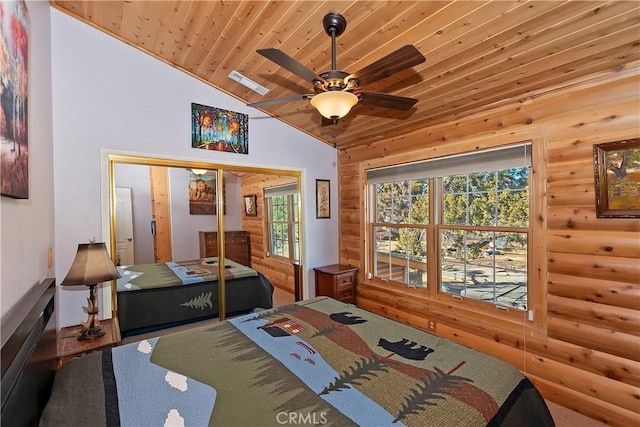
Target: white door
{"points": [[124, 227]]}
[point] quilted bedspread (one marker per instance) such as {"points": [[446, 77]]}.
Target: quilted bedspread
{"points": [[316, 362], [167, 274]]}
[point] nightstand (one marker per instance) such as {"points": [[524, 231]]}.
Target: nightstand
{"points": [[337, 281], [70, 347]]}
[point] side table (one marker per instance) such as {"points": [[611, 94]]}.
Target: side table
{"points": [[70, 347], [337, 281]]}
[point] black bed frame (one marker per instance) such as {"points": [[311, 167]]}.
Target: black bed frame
{"points": [[29, 356]]}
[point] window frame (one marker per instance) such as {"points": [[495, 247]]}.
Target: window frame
{"points": [[292, 223], [534, 316]]}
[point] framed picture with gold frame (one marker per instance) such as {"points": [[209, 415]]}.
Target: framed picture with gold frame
{"points": [[617, 179]]}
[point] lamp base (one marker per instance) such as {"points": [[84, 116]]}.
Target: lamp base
{"points": [[91, 329], [91, 333]]}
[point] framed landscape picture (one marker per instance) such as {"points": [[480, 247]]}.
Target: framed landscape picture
{"points": [[217, 129], [617, 179]]}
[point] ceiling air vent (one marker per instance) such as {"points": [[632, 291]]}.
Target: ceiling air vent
{"points": [[247, 82]]}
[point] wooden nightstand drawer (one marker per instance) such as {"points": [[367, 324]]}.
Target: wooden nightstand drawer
{"points": [[344, 294], [345, 279]]}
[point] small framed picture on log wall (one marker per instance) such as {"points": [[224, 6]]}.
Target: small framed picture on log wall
{"points": [[250, 205], [617, 179]]}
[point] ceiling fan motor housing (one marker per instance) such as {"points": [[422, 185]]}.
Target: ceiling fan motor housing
{"points": [[335, 80], [334, 23]]}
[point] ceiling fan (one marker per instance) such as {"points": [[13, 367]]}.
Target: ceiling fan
{"points": [[336, 91]]}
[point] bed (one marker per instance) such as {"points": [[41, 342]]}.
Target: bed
{"points": [[154, 296], [317, 361]]}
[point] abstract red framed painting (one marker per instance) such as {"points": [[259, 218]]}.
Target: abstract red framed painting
{"points": [[14, 87]]}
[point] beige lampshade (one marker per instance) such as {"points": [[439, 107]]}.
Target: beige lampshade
{"points": [[91, 265], [334, 103]]}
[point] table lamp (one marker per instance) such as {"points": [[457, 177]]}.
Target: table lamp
{"points": [[91, 266]]}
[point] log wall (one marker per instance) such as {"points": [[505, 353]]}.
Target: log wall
{"points": [[278, 270], [583, 351]]}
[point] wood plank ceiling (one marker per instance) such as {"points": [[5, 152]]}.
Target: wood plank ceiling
{"points": [[479, 53]]}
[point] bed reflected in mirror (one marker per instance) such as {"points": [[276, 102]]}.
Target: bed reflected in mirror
{"points": [[164, 225]]}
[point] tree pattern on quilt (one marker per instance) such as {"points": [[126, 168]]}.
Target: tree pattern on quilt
{"points": [[268, 314], [364, 369], [344, 319], [201, 302], [433, 386]]}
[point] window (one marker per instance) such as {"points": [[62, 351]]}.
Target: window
{"points": [[459, 222], [400, 231], [282, 221], [484, 234]]}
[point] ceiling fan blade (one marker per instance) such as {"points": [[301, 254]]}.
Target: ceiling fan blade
{"points": [[279, 101], [287, 62], [377, 99], [403, 58]]}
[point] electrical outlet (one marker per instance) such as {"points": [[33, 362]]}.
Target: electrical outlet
{"points": [[49, 257], [432, 325]]}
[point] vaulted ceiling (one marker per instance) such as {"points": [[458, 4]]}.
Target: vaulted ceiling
{"points": [[479, 54]]}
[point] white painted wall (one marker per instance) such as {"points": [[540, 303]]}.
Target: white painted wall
{"points": [[109, 96], [27, 226]]}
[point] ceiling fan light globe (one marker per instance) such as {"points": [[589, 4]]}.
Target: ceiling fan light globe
{"points": [[334, 104]]}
